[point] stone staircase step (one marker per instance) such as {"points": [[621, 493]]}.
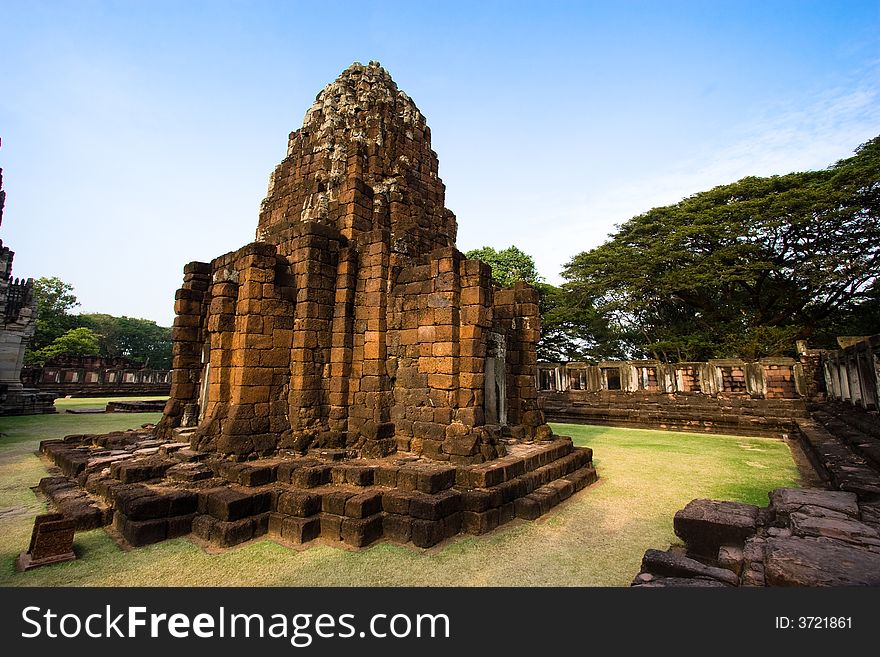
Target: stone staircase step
{"points": [[70, 499], [839, 464], [864, 444], [169, 448], [868, 422], [141, 469], [186, 455]]}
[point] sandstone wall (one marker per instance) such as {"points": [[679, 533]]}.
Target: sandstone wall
{"points": [[724, 396]]}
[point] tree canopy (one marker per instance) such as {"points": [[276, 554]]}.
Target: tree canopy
{"points": [[508, 265], [59, 332], [75, 342], [743, 269], [140, 340], [55, 300], [570, 331]]}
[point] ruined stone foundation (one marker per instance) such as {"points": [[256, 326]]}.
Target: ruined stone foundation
{"points": [[348, 375]]}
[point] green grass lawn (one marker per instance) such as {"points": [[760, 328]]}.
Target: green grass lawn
{"points": [[596, 538]]}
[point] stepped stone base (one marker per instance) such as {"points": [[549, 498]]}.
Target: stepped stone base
{"points": [[151, 490]]}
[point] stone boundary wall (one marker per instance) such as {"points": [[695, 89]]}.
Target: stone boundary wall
{"points": [[769, 378], [719, 396], [852, 374], [739, 415], [97, 377]]}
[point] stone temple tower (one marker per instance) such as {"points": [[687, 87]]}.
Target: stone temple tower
{"points": [[348, 376], [353, 321]]}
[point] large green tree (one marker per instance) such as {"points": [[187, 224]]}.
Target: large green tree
{"points": [[140, 340], [742, 269], [55, 301], [572, 331], [508, 265], [75, 342]]}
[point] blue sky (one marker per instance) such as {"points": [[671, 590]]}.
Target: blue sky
{"points": [[138, 136]]}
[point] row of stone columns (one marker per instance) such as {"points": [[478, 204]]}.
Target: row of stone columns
{"points": [[853, 374]]}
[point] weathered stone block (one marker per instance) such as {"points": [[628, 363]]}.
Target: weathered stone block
{"points": [[546, 496], [426, 533], [310, 477], [706, 525], [386, 475], [51, 542], [363, 505], [334, 501], [819, 562], [479, 500], [506, 512], [230, 505], [180, 525], [181, 502], [285, 470], [671, 564], [583, 477], [452, 524], [480, 523], [462, 445], [257, 475], [487, 475], [528, 508], [227, 534], [786, 501], [141, 532], [396, 501], [331, 526], [396, 527], [300, 530], [511, 490], [435, 479], [299, 504], [362, 531], [434, 507], [276, 521], [408, 478]]}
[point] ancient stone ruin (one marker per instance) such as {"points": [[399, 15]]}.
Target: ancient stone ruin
{"points": [[18, 315], [805, 537], [96, 376], [349, 375], [353, 321]]}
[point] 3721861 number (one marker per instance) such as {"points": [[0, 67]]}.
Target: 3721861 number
{"points": [[825, 622]]}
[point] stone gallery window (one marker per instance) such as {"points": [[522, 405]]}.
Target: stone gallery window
{"points": [[779, 382], [577, 379], [51, 376], [733, 379], [128, 377], [71, 376], [91, 377], [611, 378], [547, 380], [688, 380]]}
